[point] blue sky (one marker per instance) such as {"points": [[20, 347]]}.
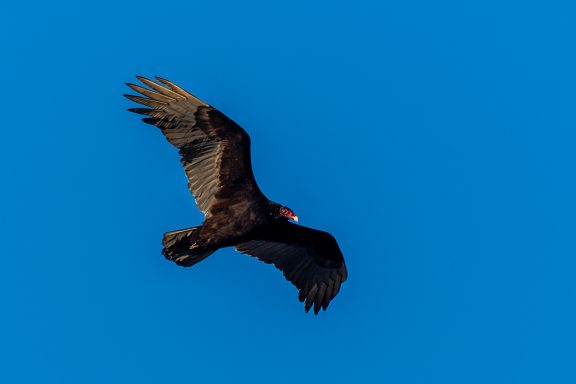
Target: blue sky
{"points": [[435, 140]]}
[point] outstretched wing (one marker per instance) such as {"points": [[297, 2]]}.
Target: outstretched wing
{"points": [[214, 150], [309, 258]]}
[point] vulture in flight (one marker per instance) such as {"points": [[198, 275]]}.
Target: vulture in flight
{"points": [[215, 153]]}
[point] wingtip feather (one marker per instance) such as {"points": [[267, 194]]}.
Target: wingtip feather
{"points": [[181, 91], [302, 295], [141, 111], [319, 299], [146, 101], [310, 298], [162, 80]]}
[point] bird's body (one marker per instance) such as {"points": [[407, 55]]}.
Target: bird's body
{"points": [[215, 153]]}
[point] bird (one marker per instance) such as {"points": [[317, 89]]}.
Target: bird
{"points": [[215, 154]]}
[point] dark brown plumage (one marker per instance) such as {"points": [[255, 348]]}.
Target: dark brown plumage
{"points": [[215, 153]]}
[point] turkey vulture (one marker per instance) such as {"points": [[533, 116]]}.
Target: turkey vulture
{"points": [[215, 153]]}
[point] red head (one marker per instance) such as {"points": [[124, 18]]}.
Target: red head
{"points": [[288, 213]]}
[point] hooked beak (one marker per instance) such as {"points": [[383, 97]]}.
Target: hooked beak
{"points": [[295, 218]]}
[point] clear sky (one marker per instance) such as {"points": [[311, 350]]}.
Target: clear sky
{"points": [[434, 140]]}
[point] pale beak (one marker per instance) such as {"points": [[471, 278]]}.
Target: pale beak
{"points": [[295, 218]]}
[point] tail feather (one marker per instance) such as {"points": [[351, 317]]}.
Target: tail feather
{"points": [[184, 248]]}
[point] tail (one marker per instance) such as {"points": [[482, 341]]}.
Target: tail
{"points": [[184, 248]]}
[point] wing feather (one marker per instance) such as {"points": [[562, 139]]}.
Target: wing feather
{"points": [[151, 94], [149, 102], [214, 150], [157, 87], [179, 90], [311, 297], [319, 298]]}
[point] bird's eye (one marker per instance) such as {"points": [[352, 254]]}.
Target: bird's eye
{"points": [[284, 211]]}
